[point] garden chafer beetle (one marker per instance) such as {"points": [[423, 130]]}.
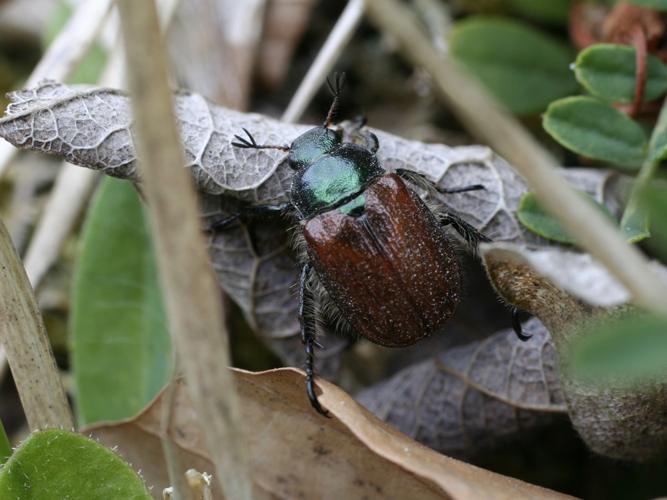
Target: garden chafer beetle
{"points": [[372, 246]]}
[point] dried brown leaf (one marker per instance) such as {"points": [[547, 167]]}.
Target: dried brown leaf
{"points": [[297, 453], [474, 397], [625, 422]]}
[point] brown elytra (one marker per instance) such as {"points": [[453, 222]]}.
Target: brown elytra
{"points": [[391, 271]]}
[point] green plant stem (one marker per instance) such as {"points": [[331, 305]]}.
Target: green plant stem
{"points": [[192, 295], [27, 345], [487, 120]]}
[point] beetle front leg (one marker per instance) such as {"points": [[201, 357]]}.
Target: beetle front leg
{"points": [[306, 319]]}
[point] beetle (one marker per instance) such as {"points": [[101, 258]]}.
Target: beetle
{"points": [[372, 246]]}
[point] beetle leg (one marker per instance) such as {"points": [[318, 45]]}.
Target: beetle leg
{"points": [[308, 336], [469, 233], [464, 189], [249, 212], [250, 143], [426, 183], [516, 324]]}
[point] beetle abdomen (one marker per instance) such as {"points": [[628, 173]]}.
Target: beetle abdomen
{"points": [[391, 270]]}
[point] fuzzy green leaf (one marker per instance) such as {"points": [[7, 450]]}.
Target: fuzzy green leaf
{"points": [[55, 464], [531, 214], [608, 71], [623, 351], [522, 67], [121, 351], [5, 445], [594, 129]]}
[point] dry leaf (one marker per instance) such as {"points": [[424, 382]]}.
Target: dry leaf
{"points": [[92, 128], [296, 453], [625, 423], [473, 397]]}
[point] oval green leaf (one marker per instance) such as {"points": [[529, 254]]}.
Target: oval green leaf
{"points": [[608, 71], [653, 4], [531, 214], [523, 68], [623, 351], [121, 353], [594, 129], [54, 464], [551, 11]]}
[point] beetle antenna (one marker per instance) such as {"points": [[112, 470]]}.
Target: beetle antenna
{"points": [[250, 143], [336, 89]]}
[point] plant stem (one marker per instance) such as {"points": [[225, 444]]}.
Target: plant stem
{"points": [[64, 55], [486, 119], [27, 345], [326, 58], [192, 295]]}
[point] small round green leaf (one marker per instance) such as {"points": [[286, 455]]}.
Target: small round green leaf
{"points": [[653, 4], [608, 71], [594, 129], [54, 464], [531, 214], [522, 67], [623, 351]]}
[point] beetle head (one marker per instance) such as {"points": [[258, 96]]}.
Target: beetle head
{"points": [[311, 145]]}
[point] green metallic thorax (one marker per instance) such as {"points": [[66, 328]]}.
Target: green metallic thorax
{"points": [[331, 178]]}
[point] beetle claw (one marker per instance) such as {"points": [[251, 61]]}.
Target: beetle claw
{"points": [[516, 325], [312, 396]]}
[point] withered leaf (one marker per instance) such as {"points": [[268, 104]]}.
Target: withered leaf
{"points": [[624, 423], [476, 396], [296, 453], [92, 127]]}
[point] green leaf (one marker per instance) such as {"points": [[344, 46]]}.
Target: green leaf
{"points": [[594, 129], [654, 198], [634, 224], [635, 220], [5, 446], [54, 464], [531, 214], [549, 11], [653, 4], [623, 351], [91, 66], [608, 71], [121, 353], [522, 67]]}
